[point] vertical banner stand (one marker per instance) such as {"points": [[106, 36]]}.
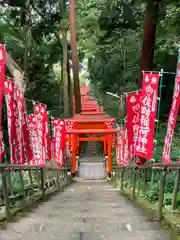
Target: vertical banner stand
{"points": [[158, 116], [157, 124]]}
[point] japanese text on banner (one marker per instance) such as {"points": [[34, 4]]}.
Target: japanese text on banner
{"points": [[2, 66], [39, 114], [120, 147], [172, 119], [59, 141], [133, 117], [149, 96], [16, 122]]}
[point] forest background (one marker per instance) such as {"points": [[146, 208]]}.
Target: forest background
{"points": [[116, 40]]}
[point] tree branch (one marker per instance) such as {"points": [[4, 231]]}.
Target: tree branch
{"points": [[6, 20]]}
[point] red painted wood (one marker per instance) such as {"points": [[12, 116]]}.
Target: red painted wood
{"points": [[91, 121]]}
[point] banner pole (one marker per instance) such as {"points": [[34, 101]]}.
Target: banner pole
{"points": [[161, 73], [173, 73], [157, 124], [126, 93]]}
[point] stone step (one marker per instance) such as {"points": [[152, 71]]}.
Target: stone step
{"points": [[139, 235], [91, 159], [88, 210], [88, 225]]}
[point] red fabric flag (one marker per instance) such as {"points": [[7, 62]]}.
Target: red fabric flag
{"points": [[47, 139], [133, 117], [122, 154], [2, 147], [109, 124], [34, 141], [126, 151], [41, 109], [14, 102], [172, 119], [120, 148], [20, 124], [59, 141], [69, 125], [39, 115], [145, 141], [2, 68], [9, 94]]}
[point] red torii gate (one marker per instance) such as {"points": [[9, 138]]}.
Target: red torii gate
{"points": [[92, 120]]}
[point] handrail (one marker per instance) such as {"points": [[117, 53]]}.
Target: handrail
{"points": [[139, 180]]}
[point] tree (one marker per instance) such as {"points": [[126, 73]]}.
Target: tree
{"points": [[149, 40]]}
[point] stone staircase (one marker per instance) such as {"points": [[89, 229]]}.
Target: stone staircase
{"points": [[90, 210], [91, 165]]}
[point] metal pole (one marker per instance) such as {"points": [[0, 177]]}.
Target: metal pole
{"points": [[112, 94], [157, 124], [158, 115], [158, 72]]}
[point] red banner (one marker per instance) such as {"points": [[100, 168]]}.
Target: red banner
{"points": [[2, 148], [172, 119], [125, 144], [9, 93], [34, 141], [120, 148], [149, 95], [59, 141], [39, 115], [133, 117], [2, 67], [20, 122], [122, 153], [69, 125], [109, 124], [47, 139], [16, 121], [26, 138]]}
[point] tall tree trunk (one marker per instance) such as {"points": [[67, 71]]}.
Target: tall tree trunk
{"points": [[65, 78], [75, 64], [69, 86], [16, 72], [150, 23]]}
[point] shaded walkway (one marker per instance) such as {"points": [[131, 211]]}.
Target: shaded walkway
{"points": [[87, 210]]}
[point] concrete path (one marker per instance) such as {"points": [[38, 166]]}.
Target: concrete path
{"points": [[88, 210]]}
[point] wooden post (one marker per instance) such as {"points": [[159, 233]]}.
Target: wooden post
{"points": [[74, 153], [134, 184], [175, 189], [21, 178], [58, 183], [161, 193], [105, 146], [109, 155], [122, 177], [144, 178], [42, 182], [75, 64], [139, 181], [6, 194]]}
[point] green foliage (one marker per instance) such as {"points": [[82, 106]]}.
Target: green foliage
{"points": [[153, 193], [34, 43], [31, 31], [111, 36]]}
